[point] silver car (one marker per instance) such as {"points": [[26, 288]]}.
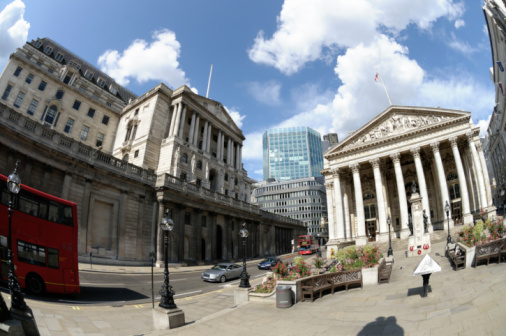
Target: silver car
{"points": [[222, 272]]}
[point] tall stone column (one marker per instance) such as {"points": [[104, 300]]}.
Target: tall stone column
{"points": [[464, 194], [219, 146], [204, 137], [238, 158], [120, 241], [180, 226], [176, 115], [196, 132], [212, 234], [443, 188], [422, 185], [338, 199], [479, 172], [181, 124], [84, 232], [357, 184], [197, 234], [346, 204], [209, 133], [401, 192], [485, 174], [67, 181], [192, 128], [329, 188], [380, 200]]}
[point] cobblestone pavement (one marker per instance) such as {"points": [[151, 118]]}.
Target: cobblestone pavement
{"points": [[464, 302]]}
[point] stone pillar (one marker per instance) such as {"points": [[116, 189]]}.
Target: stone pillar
{"points": [[120, 241], [84, 233], [219, 146], [361, 238], [442, 180], [181, 124], [238, 158], [176, 115], [192, 128], [67, 181], [419, 242], [464, 194], [205, 148], [196, 131], [479, 172], [401, 192], [383, 236], [159, 235], [209, 133], [212, 234], [179, 225], [346, 203], [422, 185], [197, 234], [485, 174], [48, 171], [338, 199], [329, 187]]}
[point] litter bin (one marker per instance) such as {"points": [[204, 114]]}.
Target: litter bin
{"points": [[284, 297]]}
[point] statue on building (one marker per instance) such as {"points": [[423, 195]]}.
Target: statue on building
{"points": [[410, 224], [207, 170], [193, 162]]}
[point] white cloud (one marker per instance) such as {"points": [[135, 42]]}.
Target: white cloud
{"points": [[236, 116], [459, 23], [461, 46], [266, 92], [145, 61], [13, 28], [307, 28], [483, 126]]}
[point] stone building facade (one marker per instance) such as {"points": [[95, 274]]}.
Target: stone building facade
{"points": [[495, 149], [125, 160], [369, 174]]}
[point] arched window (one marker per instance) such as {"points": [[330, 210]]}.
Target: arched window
{"points": [[451, 176], [51, 115], [184, 158], [368, 196], [454, 190], [199, 165], [226, 177]]}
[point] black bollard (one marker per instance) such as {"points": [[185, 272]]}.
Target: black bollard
{"points": [[425, 284]]}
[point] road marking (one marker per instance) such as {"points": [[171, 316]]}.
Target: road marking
{"points": [[139, 306], [90, 302], [199, 291], [76, 308], [171, 280], [102, 284], [259, 275]]}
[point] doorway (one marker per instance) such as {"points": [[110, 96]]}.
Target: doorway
{"points": [[370, 221], [456, 212], [371, 230], [219, 242]]}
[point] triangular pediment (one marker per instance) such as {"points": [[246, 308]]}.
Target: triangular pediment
{"points": [[397, 121]]}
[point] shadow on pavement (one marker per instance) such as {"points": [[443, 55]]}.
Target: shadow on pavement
{"points": [[382, 326]]}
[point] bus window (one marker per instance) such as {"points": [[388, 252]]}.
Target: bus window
{"points": [[53, 212], [67, 216], [5, 197], [32, 254], [28, 205], [52, 258]]}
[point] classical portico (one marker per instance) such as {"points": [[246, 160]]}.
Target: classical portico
{"points": [[369, 174]]}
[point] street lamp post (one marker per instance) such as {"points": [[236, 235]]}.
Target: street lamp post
{"points": [[17, 299], [447, 209], [244, 274], [167, 293], [390, 252]]}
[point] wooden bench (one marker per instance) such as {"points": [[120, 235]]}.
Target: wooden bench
{"points": [[384, 271], [458, 257], [489, 250], [319, 283]]}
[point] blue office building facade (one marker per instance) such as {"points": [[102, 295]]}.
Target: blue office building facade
{"points": [[292, 153]]}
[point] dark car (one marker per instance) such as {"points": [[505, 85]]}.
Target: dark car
{"points": [[334, 262], [268, 263]]}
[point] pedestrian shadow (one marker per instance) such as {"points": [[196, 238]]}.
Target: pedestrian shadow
{"points": [[382, 326], [418, 291]]}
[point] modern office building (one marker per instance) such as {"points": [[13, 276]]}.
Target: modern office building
{"points": [[292, 153], [301, 199], [329, 140], [125, 160], [495, 145]]}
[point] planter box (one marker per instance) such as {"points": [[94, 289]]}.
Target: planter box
{"points": [[470, 253], [262, 297], [295, 284], [271, 297], [370, 275]]}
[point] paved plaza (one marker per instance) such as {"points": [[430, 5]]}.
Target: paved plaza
{"points": [[466, 302]]}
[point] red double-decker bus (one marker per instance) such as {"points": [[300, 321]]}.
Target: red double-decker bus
{"points": [[307, 245], [44, 240]]}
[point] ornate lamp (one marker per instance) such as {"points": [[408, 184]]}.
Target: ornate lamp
{"points": [[167, 293], [244, 274], [390, 252], [447, 209]]}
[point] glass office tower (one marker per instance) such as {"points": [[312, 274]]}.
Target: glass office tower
{"points": [[292, 153]]}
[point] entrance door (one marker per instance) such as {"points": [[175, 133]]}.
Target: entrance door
{"points": [[371, 230], [456, 212]]}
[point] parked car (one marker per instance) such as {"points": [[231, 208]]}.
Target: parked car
{"points": [[268, 263], [222, 272]]}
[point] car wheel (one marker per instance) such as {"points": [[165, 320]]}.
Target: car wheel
{"points": [[223, 279]]}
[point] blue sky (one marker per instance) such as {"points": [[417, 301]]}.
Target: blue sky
{"points": [[278, 63]]}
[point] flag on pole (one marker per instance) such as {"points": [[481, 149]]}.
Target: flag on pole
{"points": [[500, 66], [500, 87], [377, 77]]}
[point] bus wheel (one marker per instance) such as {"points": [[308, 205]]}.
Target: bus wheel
{"points": [[34, 284]]}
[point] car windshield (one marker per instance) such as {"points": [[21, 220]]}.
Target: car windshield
{"points": [[219, 267], [268, 260]]}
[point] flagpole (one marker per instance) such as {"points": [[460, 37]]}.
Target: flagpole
{"points": [[384, 87]]}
